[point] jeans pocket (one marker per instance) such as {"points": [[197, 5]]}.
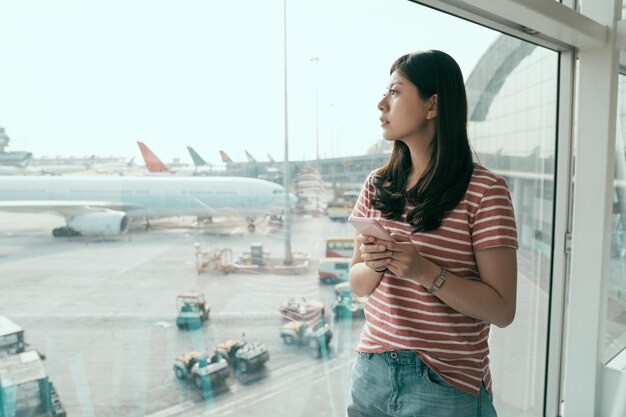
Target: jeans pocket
{"points": [[434, 380]]}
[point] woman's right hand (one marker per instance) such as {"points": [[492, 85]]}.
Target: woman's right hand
{"points": [[373, 253]]}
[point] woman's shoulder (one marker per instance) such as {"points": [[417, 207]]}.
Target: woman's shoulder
{"points": [[373, 175], [485, 177]]}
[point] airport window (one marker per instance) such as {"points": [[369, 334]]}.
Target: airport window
{"points": [[136, 305], [615, 334]]}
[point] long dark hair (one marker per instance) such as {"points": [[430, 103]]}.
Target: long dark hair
{"points": [[444, 181]]}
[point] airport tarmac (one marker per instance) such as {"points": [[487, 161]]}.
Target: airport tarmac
{"points": [[103, 312]]}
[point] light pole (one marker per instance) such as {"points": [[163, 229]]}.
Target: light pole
{"points": [[316, 60], [287, 220]]}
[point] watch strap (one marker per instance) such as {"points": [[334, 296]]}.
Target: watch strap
{"points": [[440, 279]]}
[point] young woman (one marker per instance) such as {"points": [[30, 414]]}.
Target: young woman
{"points": [[451, 270]]}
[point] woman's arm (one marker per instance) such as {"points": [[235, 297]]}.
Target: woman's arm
{"points": [[493, 299], [366, 257]]}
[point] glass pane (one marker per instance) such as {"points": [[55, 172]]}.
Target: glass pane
{"points": [[615, 339], [81, 82], [513, 131]]}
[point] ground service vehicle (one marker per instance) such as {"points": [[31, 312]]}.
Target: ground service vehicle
{"points": [[11, 338], [339, 209], [316, 338], [25, 389], [204, 371], [334, 270], [339, 246], [243, 356], [346, 303], [193, 310], [301, 309]]}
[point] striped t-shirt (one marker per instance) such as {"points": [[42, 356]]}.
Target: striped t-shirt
{"points": [[402, 315]]}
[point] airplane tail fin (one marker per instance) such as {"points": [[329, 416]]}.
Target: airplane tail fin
{"points": [[25, 160], [90, 161], [153, 163], [225, 157], [250, 157], [197, 159]]}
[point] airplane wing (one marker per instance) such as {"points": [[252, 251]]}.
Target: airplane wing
{"points": [[64, 208]]}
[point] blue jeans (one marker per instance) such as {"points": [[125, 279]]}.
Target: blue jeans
{"points": [[398, 383]]}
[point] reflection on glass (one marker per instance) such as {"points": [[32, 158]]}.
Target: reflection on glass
{"points": [[191, 315], [512, 115], [615, 337]]}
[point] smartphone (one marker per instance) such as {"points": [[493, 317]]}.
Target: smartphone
{"points": [[370, 227]]}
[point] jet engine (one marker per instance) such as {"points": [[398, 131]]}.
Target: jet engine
{"points": [[101, 223]]}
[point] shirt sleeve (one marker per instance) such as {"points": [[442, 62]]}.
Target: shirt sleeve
{"points": [[494, 221], [363, 204]]}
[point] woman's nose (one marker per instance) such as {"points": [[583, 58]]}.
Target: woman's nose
{"points": [[381, 104]]}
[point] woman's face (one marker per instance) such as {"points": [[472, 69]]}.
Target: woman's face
{"points": [[404, 115]]}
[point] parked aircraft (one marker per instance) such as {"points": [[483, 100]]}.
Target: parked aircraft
{"points": [[198, 161], [156, 166], [101, 205], [226, 158], [153, 163], [119, 168], [202, 167], [42, 168], [252, 167], [251, 158]]}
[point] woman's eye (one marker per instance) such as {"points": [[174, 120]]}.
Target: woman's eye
{"points": [[393, 92]]}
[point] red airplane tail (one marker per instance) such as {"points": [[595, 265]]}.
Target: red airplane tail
{"points": [[153, 163]]}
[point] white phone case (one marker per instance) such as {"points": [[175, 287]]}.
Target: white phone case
{"points": [[370, 227]]}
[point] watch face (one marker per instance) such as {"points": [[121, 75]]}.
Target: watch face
{"points": [[439, 281]]}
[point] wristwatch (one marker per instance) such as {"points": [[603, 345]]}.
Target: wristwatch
{"points": [[439, 281]]}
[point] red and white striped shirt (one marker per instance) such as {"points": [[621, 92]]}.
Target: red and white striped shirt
{"points": [[402, 315]]}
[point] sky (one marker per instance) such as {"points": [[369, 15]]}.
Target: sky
{"points": [[82, 77]]}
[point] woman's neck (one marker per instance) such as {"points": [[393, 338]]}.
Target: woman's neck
{"points": [[420, 157]]}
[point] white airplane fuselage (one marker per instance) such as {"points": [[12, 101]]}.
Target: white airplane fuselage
{"points": [[144, 196]]}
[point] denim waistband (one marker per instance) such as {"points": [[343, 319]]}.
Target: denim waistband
{"points": [[395, 357]]}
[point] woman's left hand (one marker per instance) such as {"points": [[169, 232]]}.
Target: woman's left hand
{"points": [[406, 261]]}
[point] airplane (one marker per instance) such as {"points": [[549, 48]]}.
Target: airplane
{"points": [[198, 161], [202, 167], [40, 168], [119, 168], [153, 163], [226, 158], [103, 205], [156, 166], [251, 158]]}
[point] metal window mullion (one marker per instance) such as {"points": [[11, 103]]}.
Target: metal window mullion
{"points": [[561, 225], [592, 207]]}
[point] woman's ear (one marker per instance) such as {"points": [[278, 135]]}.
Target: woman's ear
{"points": [[432, 107]]}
